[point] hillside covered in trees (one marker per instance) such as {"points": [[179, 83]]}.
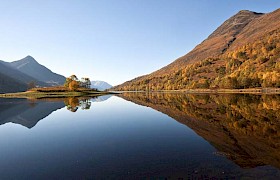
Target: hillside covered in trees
{"points": [[244, 52]]}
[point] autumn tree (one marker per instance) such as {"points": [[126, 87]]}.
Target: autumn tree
{"points": [[72, 82], [74, 85]]}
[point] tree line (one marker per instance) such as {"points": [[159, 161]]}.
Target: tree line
{"points": [[73, 83]]}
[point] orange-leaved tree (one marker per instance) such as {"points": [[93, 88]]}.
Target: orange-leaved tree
{"points": [[72, 82]]}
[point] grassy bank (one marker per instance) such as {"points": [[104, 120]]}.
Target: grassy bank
{"points": [[54, 92]]}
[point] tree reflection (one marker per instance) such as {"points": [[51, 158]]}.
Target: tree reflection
{"points": [[245, 128], [74, 103]]}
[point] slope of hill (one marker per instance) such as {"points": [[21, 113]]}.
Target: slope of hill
{"points": [[8, 84], [244, 43], [15, 76], [13, 73], [216, 43], [31, 67], [100, 85], [12, 80]]}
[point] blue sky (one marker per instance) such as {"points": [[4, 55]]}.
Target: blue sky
{"points": [[112, 40]]}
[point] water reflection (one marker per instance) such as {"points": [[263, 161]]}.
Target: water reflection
{"points": [[28, 112], [73, 103], [244, 128]]}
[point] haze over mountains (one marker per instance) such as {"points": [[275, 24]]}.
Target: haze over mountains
{"points": [[15, 76], [243, 44]]}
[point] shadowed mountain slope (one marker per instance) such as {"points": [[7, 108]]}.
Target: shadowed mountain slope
{"points": [[31, 67], [15, 76], [9, 84], [12, 80]]}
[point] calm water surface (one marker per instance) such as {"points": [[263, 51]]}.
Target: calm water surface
{"points": [[141, 136]]}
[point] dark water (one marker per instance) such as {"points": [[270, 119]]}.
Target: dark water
{"points": [[141, 136]]}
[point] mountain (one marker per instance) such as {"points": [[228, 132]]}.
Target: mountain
{"points": [[100, 85], [15, 76], [246, 43], [217, 42], [31, 67], [12, 80]]}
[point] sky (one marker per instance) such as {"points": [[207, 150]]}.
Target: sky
{"points": [[112, 40]]}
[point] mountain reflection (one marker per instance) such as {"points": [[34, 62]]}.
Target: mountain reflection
{"points": [[29, 112], [245, 128], [26, 112]]}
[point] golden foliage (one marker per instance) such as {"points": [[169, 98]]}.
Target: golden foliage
{"points": [[253, 65], [74, 85]]}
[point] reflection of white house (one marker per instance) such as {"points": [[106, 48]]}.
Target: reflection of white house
{"points": [[85, 82]]}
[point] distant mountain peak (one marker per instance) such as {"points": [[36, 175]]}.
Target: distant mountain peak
{"points": [[245, 11], [235, 24], [28, 59], [28, 56], [100, 85], [249, 12]]}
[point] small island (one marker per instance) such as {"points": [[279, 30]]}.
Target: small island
{"points": [[73, 87]]}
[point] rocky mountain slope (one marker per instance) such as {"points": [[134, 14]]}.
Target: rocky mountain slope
{"points": [[247, 39]]}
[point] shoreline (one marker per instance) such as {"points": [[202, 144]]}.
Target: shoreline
{"points": [[237, 91], [217, 91], [38, 95], [89, 93]]}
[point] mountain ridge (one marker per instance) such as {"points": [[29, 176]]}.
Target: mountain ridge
{"points": [[226, 32], [31, 67], [17, 75]]}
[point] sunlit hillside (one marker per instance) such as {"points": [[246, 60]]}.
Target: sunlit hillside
{"points": [[250, 59]]}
